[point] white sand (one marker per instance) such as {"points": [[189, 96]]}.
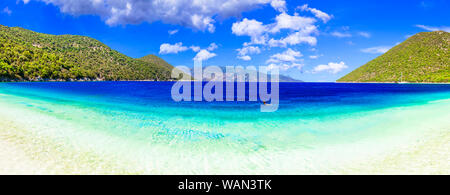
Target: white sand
{"points": [[15, 161], [429, 155], [25, 153]]}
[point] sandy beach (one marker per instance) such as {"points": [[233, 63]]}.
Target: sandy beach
{"points": [[27, 151]]}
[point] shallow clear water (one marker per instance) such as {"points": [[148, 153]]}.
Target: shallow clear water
{"points": [[139, 121]]}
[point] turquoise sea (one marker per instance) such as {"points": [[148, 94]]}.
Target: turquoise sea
{"points": [[318, 127]]}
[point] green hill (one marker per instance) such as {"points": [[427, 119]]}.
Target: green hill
{"points": [[29, 56], [423, 58], [156, 60]]}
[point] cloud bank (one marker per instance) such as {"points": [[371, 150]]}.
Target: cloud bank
{"points": [[300, 30], [195, 14]]}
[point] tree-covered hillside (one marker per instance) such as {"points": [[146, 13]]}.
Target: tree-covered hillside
{"points": [[424, 57], [27, 55], [156, 60]]}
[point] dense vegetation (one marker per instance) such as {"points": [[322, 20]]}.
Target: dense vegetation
{"points": [[156, 60], [31, 56], [424, 57]]}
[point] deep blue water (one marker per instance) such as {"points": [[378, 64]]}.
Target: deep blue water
{"points": [[297, 100], [291, 94]]}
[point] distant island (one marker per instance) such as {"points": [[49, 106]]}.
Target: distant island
{"points": [[281, 78], [30, 56], [423, 58]]}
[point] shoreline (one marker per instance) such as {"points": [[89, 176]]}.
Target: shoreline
{"points": [[77, 81], [392, 83]]}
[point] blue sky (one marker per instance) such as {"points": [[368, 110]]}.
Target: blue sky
{"points": [[309, 40]]}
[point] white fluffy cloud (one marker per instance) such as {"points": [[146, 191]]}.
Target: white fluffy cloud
{"points": [[432, 28], [319, 14], [212, 47], [293, 39], [332, 67], [300, 29], [167, 48], [195, 48], [287, 56], [254, 29], [295, 22], [204, 55], [196, 14], [279, 5], [377, 50], [245, 52], [304, 30], [285, 60]]}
